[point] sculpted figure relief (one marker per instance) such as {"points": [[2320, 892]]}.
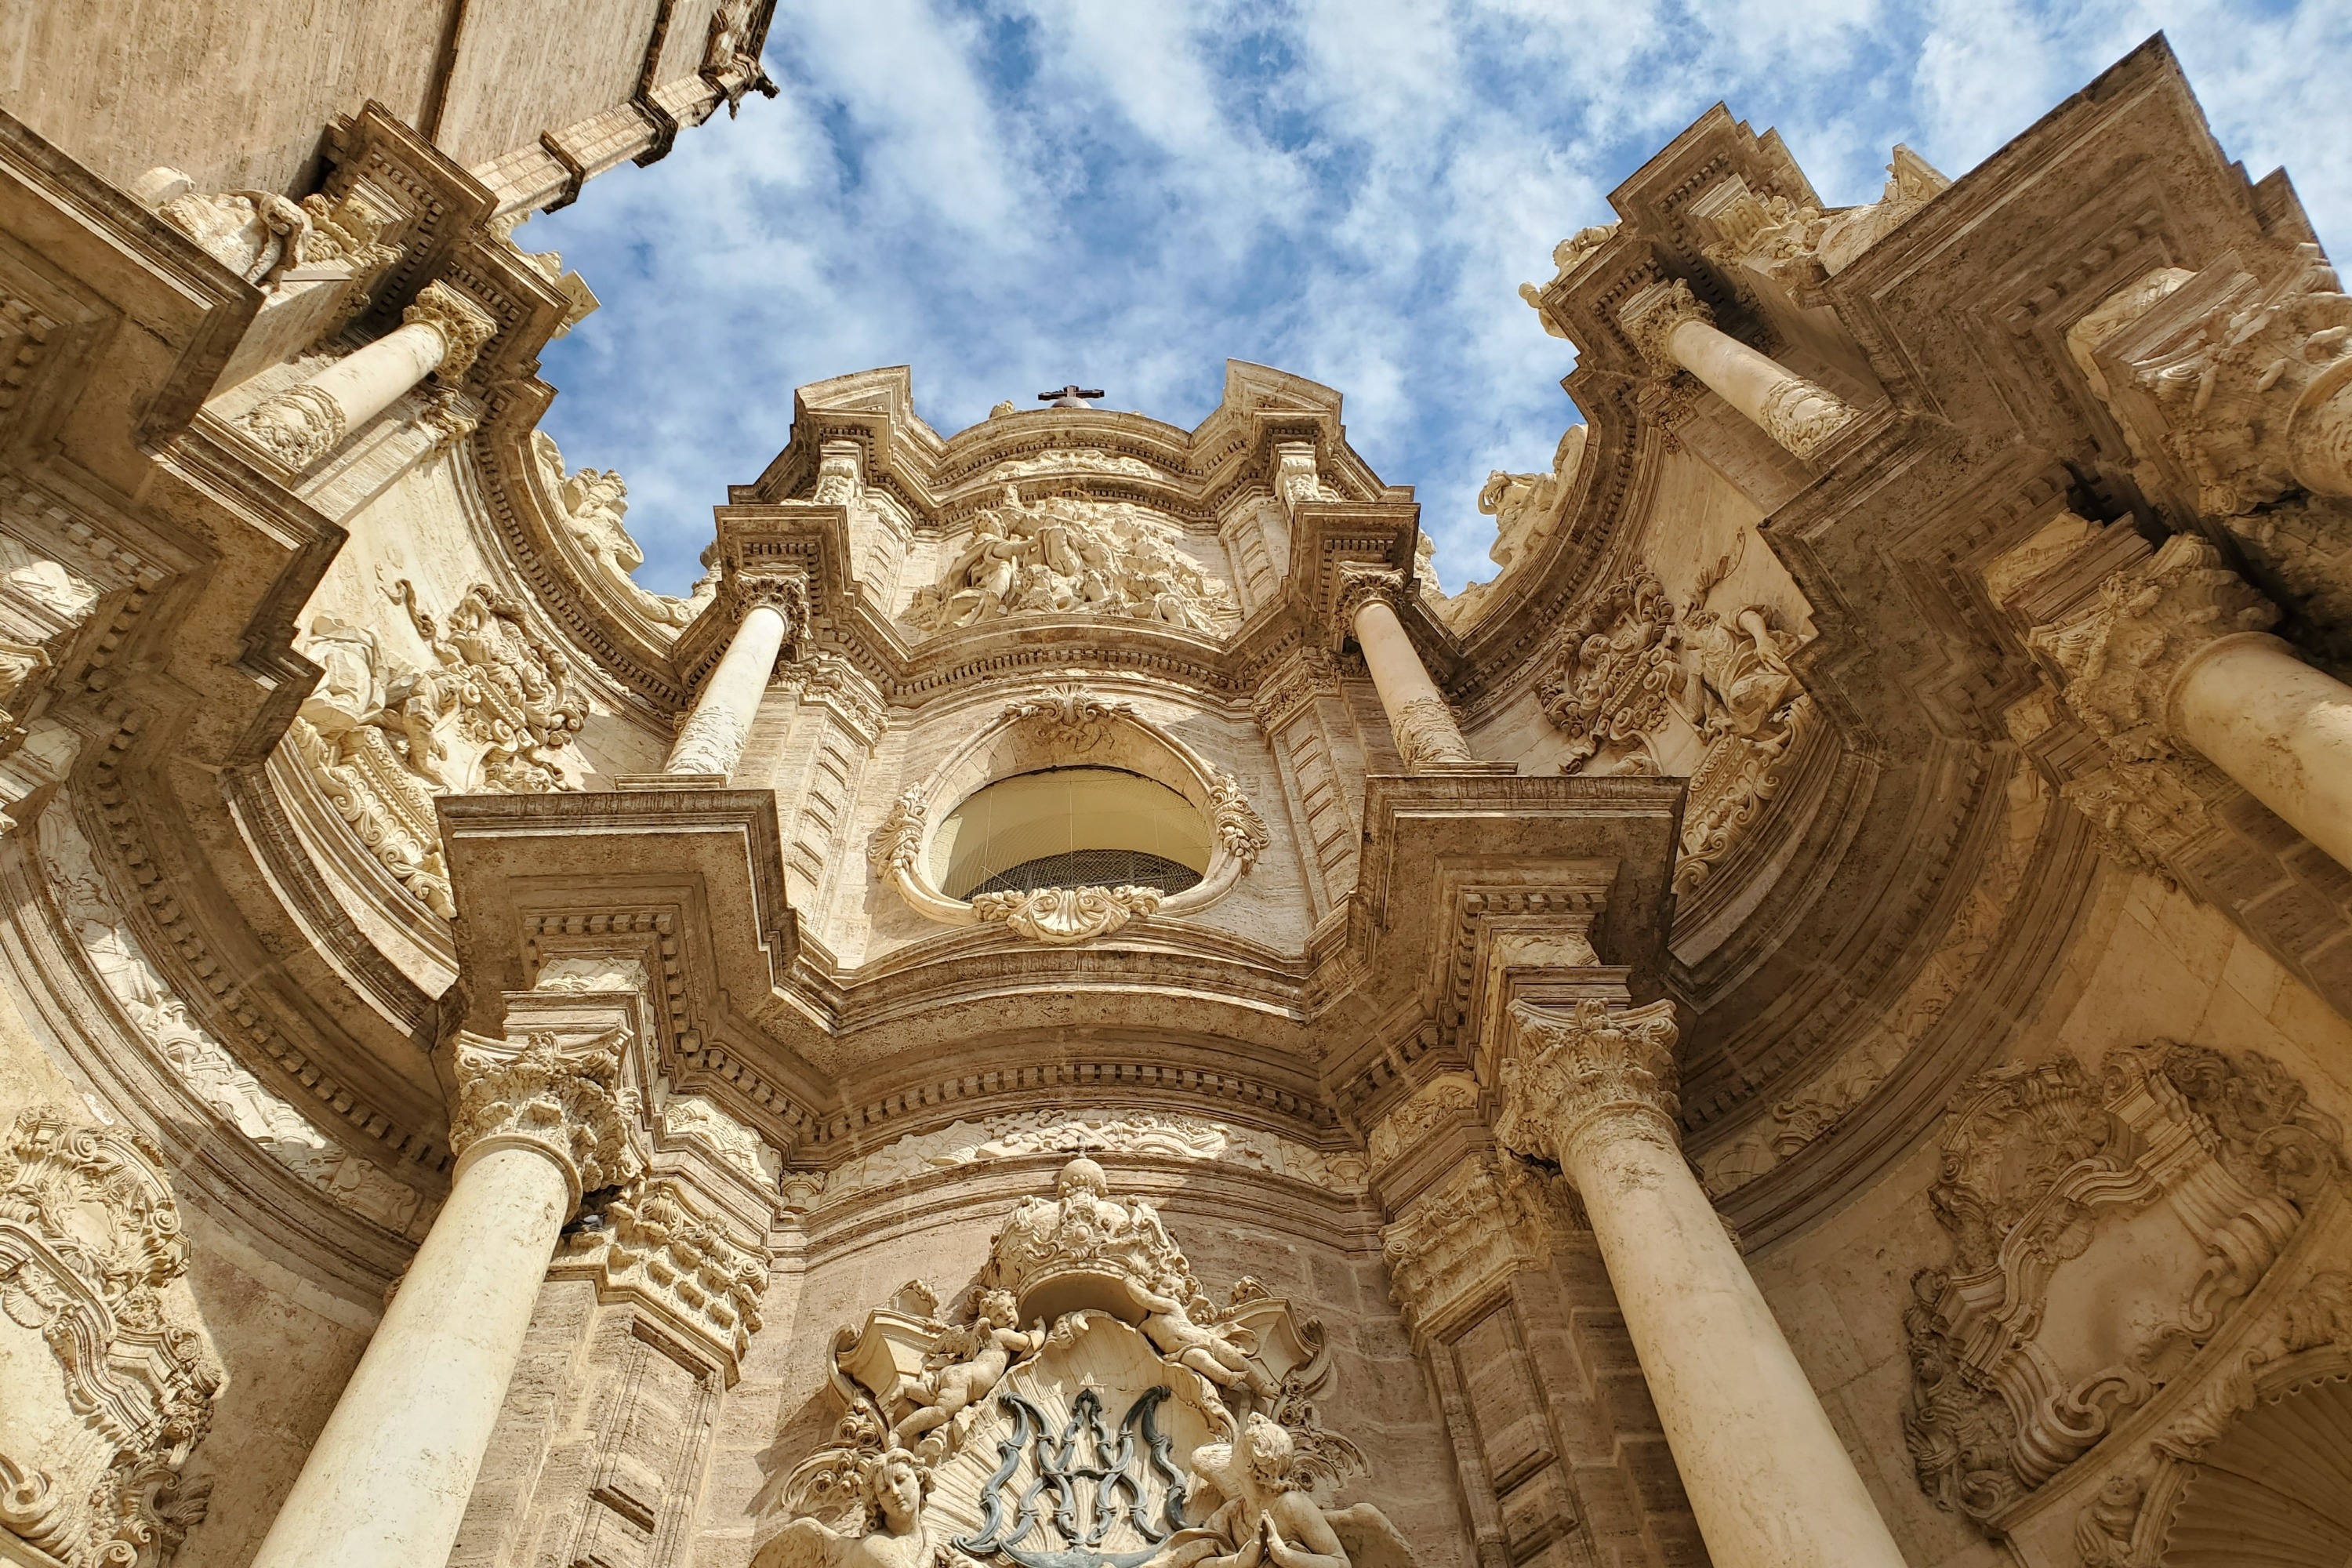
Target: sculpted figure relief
{"points": [[1071, 554], [593, 503], [1131, 1424], [494, 713]]}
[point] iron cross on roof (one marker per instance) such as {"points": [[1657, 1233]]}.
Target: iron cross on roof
{"points": [[1071, 397]]}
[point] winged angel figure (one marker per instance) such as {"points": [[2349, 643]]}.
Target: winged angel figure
{"points": [[1256, 1505], [890, 1532]]}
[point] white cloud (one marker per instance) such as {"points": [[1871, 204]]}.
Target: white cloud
{"points": [[1011, 192]]}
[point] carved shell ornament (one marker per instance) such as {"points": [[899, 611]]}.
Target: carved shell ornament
{"points": [[1084, 1404], [1062, 726]]}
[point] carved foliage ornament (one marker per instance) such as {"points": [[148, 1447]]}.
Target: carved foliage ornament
{"points": [[1128, 1410], [2042, 1166], [569, 1103], [1071, 554], [1459, 1242], [653, 1240], [1593, 1075], [2116, 664], [90, 1251]]}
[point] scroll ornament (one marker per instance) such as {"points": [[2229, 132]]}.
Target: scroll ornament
{"points": [[1127, 1425], [2043, 1164]]}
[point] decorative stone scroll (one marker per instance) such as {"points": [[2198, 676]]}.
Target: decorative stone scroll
{"points": [[1067, 722], [495, 713], [107, 1375], [1130, 1425], [2193, 1167], [1071, 554]]}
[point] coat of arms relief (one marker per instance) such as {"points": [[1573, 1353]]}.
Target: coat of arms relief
{"points": [[1085, 1407]]}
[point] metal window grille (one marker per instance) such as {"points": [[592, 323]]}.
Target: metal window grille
{"points": [[1093, 868]]}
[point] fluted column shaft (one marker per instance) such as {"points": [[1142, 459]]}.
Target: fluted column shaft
{"points": [[712, 737], [441, 331], [2276, 725], [1675, 330], [1768, 1480], [1418, 716], [386, 1484]]}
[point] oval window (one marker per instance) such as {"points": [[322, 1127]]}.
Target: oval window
{"points": [[1068, 827]]}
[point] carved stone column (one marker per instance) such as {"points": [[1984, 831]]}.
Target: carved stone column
{"points": [[2176, 654], [712, 737], [387, 1482], [1427, 738], [440, 333], [1768, 1478], [1675, 330]]}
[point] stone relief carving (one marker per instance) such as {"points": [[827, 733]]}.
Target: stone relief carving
{"points": [[1441, 1100], [1071, 554], [1460, 1242], [1167, 1134], [1526, 508], [1632, 659], [2198, 1165], [569, 1102], [1059, 916], [1820, 1104], [737, 1146], [495, 713], [651, 1239], [107, 1374], [1567, 258], [1071, 460], [593, 501], [1161, 1431], [261, 236], [195, 1056], [1782, 238]]}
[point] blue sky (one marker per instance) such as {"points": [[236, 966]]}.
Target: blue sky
{"points": [[1011, 195]]}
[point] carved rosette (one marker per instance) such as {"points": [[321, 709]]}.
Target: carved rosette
{"points": [[1651, 317], [297, 426], [1060, 916], [464, 327], [568, 1104], [1576, 1083], [91, 1255], [2116, 665], [656, 1245]]}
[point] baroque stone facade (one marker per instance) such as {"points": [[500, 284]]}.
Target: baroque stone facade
{"points": [[1066, 1007]]}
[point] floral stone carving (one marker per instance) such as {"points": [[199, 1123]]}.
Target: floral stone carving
{"points": [[656, 1245], [1072, 555], [2208, 1163], [1065, 915], [494, 713], [106, 1376], [1166, 1432], [567, 1103]]}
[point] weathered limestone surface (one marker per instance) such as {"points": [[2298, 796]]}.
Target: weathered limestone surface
{"points": [[555, 1072]]}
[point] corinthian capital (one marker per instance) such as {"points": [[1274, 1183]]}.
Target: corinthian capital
{"points": [[567, 1103], [1651, 316], [786, 593], [464, 326], [2117, 664], [1361, 583], [1577, 1082]]}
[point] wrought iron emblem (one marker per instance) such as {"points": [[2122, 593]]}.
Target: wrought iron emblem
{"points": [[1081, 1487]]}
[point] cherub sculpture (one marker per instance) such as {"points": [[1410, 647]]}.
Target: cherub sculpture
{"points": [[892, 1483], [969, 1367], [1219, 1354], [1261, 1512]]}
